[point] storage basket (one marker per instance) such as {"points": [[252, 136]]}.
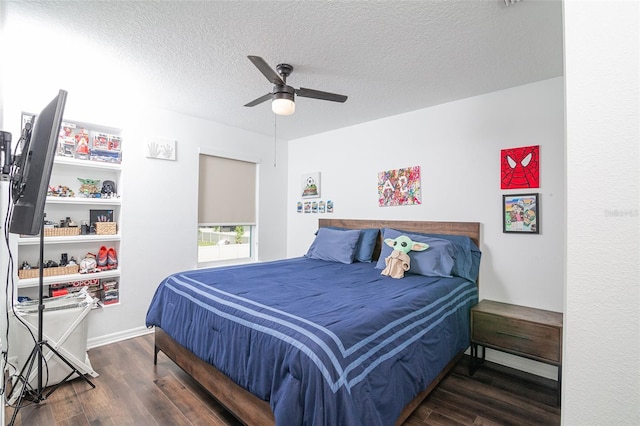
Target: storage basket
{"points": [[62, 232], [48, 272], [105, 228]]}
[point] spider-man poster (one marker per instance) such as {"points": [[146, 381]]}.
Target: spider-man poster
{"points": [[520, 167]]}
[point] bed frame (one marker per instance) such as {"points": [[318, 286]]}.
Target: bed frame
{"points": [[252, 410]]}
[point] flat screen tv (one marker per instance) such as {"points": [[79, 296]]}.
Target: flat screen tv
{"points": [[32, 168]]}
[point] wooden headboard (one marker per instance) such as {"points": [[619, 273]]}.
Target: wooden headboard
{"points": [[469, 229]]}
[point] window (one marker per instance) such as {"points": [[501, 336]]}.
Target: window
{"points": [[226, 209]]}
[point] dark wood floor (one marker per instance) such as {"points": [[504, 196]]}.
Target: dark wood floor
{"points": [[130, 390]]}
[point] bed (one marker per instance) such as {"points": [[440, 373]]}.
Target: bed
{"points": [[324, 341]]}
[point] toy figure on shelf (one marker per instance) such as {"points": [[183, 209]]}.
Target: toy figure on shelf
{"points": [[66, 140], [60, 191], [89, 188], [82, 144], [100, 141], [109, 189], [114, 143]]}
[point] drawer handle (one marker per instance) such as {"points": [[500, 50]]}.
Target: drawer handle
{"points": [[518, 336]]}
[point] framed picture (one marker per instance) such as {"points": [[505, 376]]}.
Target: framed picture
{"points": [[310, 187], [399, 187], [521, 213], [520, 167], [100, 216], [163, 149]]}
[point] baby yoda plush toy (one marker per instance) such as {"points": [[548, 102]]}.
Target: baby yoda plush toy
{"points": [[398, 262]]}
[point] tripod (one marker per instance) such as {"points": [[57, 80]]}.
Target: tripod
{"points": [[27, 391]]}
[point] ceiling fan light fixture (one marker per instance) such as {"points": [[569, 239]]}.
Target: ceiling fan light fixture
{"points": [[283, 104], [283, 96]]}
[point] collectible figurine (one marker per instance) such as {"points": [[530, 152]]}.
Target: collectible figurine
{"points": [[109, 188], [82, 144], [398, 262], [89, 187]]}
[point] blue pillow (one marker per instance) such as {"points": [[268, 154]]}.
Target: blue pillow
{"points": [[467, 264], [334, 245], [366, 243], [466, 253]]}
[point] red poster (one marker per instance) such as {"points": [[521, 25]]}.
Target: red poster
{"points": [[520, 167]]}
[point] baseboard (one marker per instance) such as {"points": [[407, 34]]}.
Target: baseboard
{"points": [[95, 342]]}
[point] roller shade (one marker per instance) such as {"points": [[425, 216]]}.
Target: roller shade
{"points": [[226, 191]]}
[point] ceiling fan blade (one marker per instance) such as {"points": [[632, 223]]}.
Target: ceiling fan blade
{"points": [[317, 94], [266, 70], [260, 100]]}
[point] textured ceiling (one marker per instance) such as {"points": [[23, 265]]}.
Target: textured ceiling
{"points": [[389, 57]]}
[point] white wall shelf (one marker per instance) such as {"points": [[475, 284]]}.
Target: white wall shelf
{"points": [[26, 241], [74, 162], [34, 282], [83, 201]]}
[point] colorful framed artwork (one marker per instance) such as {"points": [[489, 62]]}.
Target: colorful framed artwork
{"points": [[521, 213], [311, 185], [399, 187], [520, 167]]}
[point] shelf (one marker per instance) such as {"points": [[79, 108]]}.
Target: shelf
{"points": [[74, 162], [27, 241], [84, 201], [34, 282], [70, 173]]}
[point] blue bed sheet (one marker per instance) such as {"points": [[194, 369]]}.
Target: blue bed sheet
{"points": [[325, 343]]}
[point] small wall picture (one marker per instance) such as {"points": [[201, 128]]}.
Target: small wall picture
{"points": [[163, 149], [329, 206], [299, 207], [311, 185], [99, 216], [307, 207], [521, 213]]}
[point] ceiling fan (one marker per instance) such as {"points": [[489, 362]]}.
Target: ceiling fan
{"points": [[282, 96]]}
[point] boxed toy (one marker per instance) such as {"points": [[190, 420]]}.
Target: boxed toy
{"points": [[110, 291], [66, 140], [106, 148]]}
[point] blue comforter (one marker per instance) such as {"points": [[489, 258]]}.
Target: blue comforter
{"points": [[325, 343]]}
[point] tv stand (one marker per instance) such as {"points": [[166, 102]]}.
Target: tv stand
{"points": [[26, 390]]}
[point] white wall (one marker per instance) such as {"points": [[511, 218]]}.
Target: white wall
{"points": [[160, 205], [457, 146], [159, 211], [602, 314]]}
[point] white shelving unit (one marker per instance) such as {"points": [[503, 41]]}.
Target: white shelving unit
{"points": [[67, 172]]}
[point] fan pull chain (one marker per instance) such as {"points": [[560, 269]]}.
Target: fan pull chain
{"points": [[275, 138]]}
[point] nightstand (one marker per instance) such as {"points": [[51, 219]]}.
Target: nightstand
{"points": [[528, 332]]}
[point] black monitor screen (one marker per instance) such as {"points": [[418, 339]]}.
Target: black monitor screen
{"points": [[32, 169]]}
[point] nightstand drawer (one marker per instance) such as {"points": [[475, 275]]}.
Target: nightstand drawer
{"points": [[529, 339]]}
